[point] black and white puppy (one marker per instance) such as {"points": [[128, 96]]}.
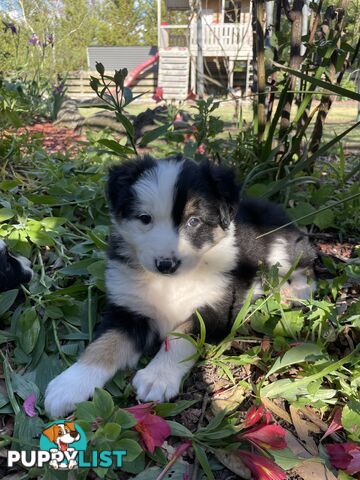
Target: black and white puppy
{"points": [[14, 269], [180, 242]]}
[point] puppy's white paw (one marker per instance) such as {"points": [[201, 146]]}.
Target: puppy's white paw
{"points": [[156, 385], [74, 385]]}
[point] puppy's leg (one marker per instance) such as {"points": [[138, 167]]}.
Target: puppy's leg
{"points": [[300, 286], [116, 348], [284, 252], [160, 380]]}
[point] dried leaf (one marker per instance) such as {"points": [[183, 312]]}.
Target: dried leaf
{"points": [[310, 470], [233, 463], [303, 429], [278, 411], [228, 400], [335, 424], [295, 446]]}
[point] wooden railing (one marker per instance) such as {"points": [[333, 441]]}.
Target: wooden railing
{"points": [[221, 39]]}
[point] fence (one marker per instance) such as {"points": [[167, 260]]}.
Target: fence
{"points": [[78, 83]]}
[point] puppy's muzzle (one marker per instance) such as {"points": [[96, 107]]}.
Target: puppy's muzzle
{"points": [[167, 265]]}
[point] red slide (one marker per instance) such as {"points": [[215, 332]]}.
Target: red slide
{"points": [[140, 68]]}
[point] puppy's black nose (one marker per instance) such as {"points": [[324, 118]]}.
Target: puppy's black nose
{"points": [[167, 265], [74, 434]]}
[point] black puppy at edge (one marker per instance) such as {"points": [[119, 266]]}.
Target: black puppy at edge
{"points": [[180, 241], [14, 269]]}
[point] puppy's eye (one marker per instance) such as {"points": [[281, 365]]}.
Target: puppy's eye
{"points": [[193, 222], [145, 218]]}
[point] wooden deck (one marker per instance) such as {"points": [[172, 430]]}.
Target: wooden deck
{"points": [[233, 40]]}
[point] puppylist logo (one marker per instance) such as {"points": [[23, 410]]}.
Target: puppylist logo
{"points": [[63, 446]]}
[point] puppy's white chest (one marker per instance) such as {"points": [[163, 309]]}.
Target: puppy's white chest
{"points": [[168, 300]]}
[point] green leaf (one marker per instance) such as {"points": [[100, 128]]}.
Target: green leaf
{"points": [[350, 419], [129, 127], [286, 386], [178, 430], [6, 300], [115, 147], [285, 458], [86, 411], [112, 431], [43, 199], [301, 210], [204, 462], [324, 219], [52, 223], [154, 134], [78, 268], [241, 316], [172, 409], [343, 92], [124, 418], [6, 214], [103, 402], [306, 352], [132, 448], [28, 330], [41, 239]]}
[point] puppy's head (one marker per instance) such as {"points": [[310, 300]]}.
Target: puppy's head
{"points": [[170, 213]]}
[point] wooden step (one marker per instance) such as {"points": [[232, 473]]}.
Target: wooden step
{"points": [[174, 68]]}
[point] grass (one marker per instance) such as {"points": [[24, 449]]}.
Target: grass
{"points": [[341, 116]]}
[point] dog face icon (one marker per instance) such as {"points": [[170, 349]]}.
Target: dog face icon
{"points": [[64, 441], [62, 434]]}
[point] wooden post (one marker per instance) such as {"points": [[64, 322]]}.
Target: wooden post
{"points": [[199, 58], [222, 18], [159, 22], [260, 60], [231, 74], [193, 74]]}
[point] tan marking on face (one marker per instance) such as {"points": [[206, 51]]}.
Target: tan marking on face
{"points": [[219, 234], [191, 207], [112, 350]]}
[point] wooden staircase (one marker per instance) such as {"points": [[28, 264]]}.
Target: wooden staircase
{"points": [[174, 69]]}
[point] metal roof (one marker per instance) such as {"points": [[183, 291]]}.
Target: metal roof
{"points": [[114, 58], [177, 4]]}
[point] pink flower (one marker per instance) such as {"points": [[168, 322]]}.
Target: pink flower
{"points": [[153, 429], [201, 149], [335, 424], [266, 436], [158, 95], [344, 456], [29, 405], [254, 415], [262, 468]]}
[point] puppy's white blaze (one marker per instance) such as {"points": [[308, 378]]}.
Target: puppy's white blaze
{"points": [[172, 299], [2, 245], [155, 193], [279, 254], [74, 385], [155, 190], [161, 379]]}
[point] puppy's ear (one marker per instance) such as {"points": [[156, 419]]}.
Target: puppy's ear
{"points": [[225, 189], [121, 179], [51, 433]]}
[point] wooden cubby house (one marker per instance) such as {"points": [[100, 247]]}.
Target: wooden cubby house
{"points": [[217, 30]]}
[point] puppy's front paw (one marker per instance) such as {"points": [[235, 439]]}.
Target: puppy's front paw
{"points": [[156, 385], [74, 385]]}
